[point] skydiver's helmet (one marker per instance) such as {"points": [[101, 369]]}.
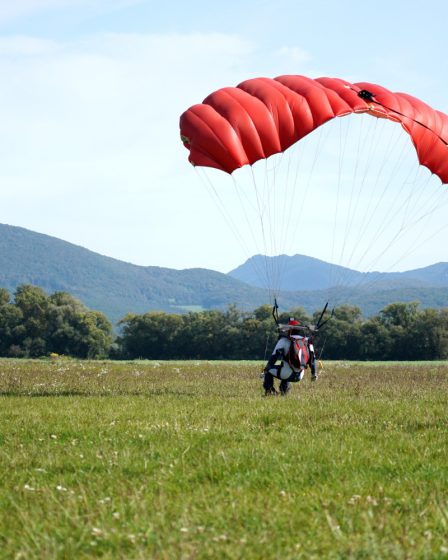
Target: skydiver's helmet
{"points": [[292, 327]]}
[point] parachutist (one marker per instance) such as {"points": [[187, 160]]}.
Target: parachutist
{"points": [[295, 352]]}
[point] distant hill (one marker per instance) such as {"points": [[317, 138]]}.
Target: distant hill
{"points": [[112, 286], [117, 288], [299, 272]]}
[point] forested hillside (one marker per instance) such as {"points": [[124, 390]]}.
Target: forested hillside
{"points": [[116, 288]]}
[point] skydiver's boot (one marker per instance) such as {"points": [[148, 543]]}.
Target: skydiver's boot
{"points": [[268, 384], [285, 387]]}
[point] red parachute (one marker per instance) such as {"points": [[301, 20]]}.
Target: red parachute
{"points": [[260, 117]]}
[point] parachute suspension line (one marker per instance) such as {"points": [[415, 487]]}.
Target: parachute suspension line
{"points": [[374, 204], [272, 205], [307, 182], [368, 218], [371, 150], [387, 219], [439, 200], [263, 232], [352, 208], [289, 203], [240, 191], [222, 208], [342, 146], [412, 223]]}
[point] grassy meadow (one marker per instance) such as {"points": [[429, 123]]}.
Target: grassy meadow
{"points": [[188, 460]]}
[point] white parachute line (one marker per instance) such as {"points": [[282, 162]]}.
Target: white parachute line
{"points": [[273, 226], [239, 189], [335, 215], [413, 246], [352, 210], [406, 219], [263, 232], [412, 220], [323, 133], [364, 175], [360, 235], [335, 273], [376, 198], [288, 210], [213, 193], [288, 192], [289, 201], [371, 283], [384, 221]]}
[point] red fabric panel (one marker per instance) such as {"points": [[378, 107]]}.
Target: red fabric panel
{"points": [[263, 116]]}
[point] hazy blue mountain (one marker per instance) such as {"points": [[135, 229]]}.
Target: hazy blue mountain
{"points": [[117, 288], [112, 286], [299, 272]]}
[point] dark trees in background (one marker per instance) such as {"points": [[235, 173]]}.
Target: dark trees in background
{"points": [[35, 324], [400, 332]]}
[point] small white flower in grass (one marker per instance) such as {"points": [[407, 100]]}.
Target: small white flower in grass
{"points": [[184, 529], [54, 436], [61, 488], [97, 532], [29, 488], [116, 515], [354, 499], [282, 493]]}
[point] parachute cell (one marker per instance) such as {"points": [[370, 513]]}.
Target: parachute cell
{"points": [[261, 117]]}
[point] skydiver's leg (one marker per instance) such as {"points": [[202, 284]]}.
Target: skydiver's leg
{"points": [[313, 365], [285, 386], [268, 381]]}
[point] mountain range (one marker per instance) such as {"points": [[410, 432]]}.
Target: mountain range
{"points": [[308, 273], [117, 288]]}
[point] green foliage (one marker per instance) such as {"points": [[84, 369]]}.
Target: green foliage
{"points": [[148, 460], [400, 332], [36, 324]]}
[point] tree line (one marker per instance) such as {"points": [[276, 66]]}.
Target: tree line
{"points": [[34, 324]]}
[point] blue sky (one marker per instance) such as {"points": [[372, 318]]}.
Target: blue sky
{"points": [[92, 92]]}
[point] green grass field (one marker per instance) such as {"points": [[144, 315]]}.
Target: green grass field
{"points": [[188, 460]]}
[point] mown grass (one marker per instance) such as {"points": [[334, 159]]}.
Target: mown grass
{"points": [[188, 460]]}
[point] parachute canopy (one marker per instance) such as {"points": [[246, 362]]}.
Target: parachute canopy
{"points": [[237, 126]]}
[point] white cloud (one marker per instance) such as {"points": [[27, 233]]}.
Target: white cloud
{"points": [[17, 9], [90, 148]]}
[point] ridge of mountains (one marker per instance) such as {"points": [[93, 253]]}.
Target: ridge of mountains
{"points": [[310, 273], [116, 287]]}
